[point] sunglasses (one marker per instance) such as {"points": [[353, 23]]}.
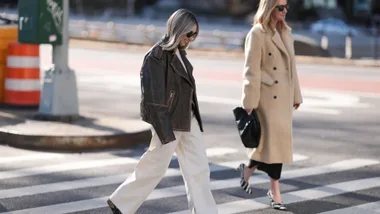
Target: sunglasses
{"points": [[282, 7], [192, 35]]}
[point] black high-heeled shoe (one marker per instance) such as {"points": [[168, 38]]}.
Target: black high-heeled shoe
{"points": [[275, 205], [244, 185], [114, 209]]}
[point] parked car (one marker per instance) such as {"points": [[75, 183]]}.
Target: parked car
{"points": [[334, 26]]}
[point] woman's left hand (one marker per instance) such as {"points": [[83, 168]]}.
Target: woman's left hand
{"points": [[296, 106]]}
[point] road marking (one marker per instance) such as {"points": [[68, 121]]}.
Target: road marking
{"points": [[99, 181], [102, 181], [298, 157], [220, 151], [231, 183], [352, 93], [66, 207], [235, 164], [368, 208], [330, 99], [42, 156], [296, 196], [212, 152], [315, 101], [65, 167], [319, 111], [96, 203]]}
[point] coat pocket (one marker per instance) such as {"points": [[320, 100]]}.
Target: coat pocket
{"points": [[266, 78]]}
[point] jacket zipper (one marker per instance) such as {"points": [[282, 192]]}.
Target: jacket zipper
{"points": [[171, 98], [191, 110]]}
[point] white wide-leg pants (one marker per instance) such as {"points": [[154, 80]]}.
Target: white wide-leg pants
{"points": [[191, 153]]}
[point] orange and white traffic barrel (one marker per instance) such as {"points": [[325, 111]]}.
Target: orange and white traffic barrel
{"points": [[8, 34], [22, 75]]}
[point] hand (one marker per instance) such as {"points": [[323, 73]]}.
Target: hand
{"points": [[249, 111], [296, 106]]}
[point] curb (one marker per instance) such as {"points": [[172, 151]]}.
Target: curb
{"points": [[74, 143], [217, 53], [19, 129]]}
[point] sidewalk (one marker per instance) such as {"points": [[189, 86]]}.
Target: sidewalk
{"points": [[218, 53], [19, 129]]}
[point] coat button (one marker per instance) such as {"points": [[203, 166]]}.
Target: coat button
{"points": [[275, 97], [274, 68], [276, 82]]}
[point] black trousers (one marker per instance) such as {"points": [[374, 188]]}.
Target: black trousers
{"points": [[273, 170]]}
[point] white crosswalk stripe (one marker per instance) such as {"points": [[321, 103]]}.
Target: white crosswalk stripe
{"points": [[31, 157], [82, 164], [297, 196], [65, 167], [173, 189], [368, 208], [101, 181]]}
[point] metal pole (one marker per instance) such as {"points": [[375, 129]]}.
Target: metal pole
{"points": [[59, 97], [375, 45], [324, 41], [348, 46], [61, 52]]}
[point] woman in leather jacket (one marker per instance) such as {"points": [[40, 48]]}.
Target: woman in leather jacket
{"points": [[169, 103]]}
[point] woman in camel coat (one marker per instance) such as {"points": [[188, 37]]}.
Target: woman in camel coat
{"points": [[271, 88]]}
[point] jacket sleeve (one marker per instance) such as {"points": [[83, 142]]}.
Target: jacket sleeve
{"points": [[153, 83], [252, 71]]}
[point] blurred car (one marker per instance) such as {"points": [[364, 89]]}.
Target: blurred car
{"points": [[334, 26], [7, 21]]}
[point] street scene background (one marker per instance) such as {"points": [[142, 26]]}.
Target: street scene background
{"points": [[336, 144]]}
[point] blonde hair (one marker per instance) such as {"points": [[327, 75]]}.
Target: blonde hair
{"points": [[180, 23], [264, 15]]}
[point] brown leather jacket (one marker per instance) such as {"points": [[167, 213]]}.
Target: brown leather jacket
{"points": [[168, 93]]}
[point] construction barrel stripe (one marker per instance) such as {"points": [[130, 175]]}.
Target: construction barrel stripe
{"points": [[22, 76]]}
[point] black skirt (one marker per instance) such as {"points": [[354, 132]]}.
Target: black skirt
{"points": [[273, 170]]}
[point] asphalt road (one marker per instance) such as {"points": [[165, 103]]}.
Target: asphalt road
{"points": [[336, 144]]}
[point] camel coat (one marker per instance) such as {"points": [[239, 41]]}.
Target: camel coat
{"points": [[270, 85]]}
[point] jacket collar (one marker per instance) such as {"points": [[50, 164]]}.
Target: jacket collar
{"points": [[179, 69], [176, 64]]}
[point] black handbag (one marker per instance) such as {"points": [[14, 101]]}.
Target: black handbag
{"points": [[248, 126]]}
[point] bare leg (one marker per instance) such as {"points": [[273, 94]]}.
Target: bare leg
{"points": [[275, 188], [248, 172]]}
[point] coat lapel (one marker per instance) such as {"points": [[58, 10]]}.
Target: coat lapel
{"points": [[276, 38], [288, 41], [179, 69], [188, 65]]}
